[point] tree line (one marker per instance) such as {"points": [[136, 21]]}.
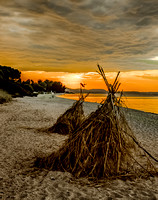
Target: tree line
{"points": [[43, 86], [10, 81]]}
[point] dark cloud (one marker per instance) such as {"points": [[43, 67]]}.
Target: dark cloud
{"points": [[144, 22], [4, 14], [59, 9], [144, 8], [72, 31], [77, 1]]}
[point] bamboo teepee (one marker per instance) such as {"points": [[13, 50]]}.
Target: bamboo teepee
{"points": [[71, 119], [103, 146]]}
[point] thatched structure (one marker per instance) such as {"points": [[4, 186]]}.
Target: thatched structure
{"points": [[102, 147], [71, 119]]}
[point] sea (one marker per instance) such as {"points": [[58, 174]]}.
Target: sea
{"points": [[146, 104]]}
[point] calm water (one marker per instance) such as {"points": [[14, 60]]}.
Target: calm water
{"points": [[147, 104]]}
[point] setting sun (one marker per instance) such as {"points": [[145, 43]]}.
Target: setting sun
{"points": [[72, 80], [145, 81]]}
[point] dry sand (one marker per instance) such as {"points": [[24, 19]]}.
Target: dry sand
{"points": [[22, 138]]}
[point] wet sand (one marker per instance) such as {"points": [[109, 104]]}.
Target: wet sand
{"points": [[22, 139]]}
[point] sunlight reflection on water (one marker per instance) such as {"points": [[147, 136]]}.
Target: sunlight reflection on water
{"points": [[147, 104]]}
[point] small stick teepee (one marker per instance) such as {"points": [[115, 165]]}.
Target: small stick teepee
{"points": [[103, 145], [71, 119]]}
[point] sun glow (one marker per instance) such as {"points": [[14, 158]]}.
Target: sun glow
{"points": [[143, 81], [72, 80]]}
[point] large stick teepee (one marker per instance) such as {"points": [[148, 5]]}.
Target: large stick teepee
{"points": [[103, 145]]}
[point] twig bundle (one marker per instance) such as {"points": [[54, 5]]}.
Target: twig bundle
{"points": [[103, 145], [70, 120]]}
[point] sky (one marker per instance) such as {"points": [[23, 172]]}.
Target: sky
{"points": [[65, 40]]}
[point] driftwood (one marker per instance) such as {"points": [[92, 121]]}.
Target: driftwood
{"points": [[103, 146], [71, 119]]}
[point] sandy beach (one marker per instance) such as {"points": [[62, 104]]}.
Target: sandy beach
{"points": [[22, 138]]}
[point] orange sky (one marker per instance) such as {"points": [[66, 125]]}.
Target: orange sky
{"points": [[64, 40], [143, 81]]}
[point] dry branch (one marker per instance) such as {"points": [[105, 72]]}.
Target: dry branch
{"points": [[102, 146], [72, 118]]}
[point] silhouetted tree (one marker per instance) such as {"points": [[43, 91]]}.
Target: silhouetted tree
{"points": [[58, 87], [10, 80], [9, 73]]}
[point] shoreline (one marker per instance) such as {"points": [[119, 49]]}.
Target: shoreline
{"points": [[22, 139], [58, 96], [145, 104]]}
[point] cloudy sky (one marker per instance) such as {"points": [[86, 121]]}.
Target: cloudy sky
{"points": [[72, 36]]}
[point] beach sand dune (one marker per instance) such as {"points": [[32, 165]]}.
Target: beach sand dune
{"points": [[22, 138]]}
